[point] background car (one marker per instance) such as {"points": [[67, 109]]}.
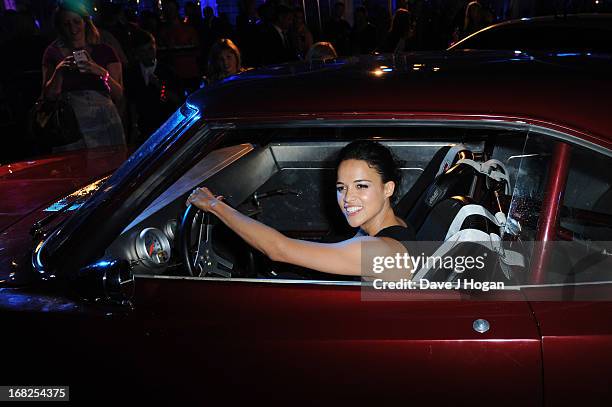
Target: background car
{"points": [[561, 33], [234, 326]]}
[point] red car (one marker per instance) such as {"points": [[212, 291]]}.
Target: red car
{"points": [[122, 292]]}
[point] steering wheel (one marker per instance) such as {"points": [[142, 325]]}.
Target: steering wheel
{"points": [[204, 261]]}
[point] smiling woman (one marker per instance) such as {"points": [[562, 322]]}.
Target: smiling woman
{"points": [[223, 60], [366, 181]]}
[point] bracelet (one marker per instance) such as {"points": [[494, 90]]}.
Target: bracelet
{"points": [[105, 78], [162, 92]]}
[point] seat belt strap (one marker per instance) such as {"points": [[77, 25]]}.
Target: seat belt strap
{"points": [[488, 168], [469, 210], [449, 158], [490, 241]]}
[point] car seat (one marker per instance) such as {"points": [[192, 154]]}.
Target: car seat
{"points": [[442, 178], [462, 224]]}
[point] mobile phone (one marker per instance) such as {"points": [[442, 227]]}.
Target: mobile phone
{"points": [[80, 55]]}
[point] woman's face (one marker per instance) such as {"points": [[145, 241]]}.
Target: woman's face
{"points": [[228, 62], [73, 26], [362, 195]]}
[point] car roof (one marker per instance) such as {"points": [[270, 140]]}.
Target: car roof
{"points": [[570, 90], [600, 22], [588, 19]]}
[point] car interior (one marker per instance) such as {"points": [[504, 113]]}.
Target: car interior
{"points": [[462, 190], [457, 186]]}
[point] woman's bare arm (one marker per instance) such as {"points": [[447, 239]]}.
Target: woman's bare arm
{"points": [[337, 258], [115, 80], [112, 75], [53, 77]]}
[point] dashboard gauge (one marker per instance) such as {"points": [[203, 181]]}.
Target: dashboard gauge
{"points": [[153, 247], [170, 229]]}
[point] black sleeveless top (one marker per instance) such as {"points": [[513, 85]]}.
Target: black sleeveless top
{"points": [[400, 233]]}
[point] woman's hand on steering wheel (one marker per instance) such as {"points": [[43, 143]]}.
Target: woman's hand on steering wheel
{"points": [[200, 257], [203, 199]]}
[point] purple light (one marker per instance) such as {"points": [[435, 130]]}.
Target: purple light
{"points": [[10, 5], [211, 3]]}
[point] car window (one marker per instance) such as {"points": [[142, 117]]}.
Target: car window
{"points": [[207, 167], [529, 173], [587, 204], [580, 250], [585, 220], [527, 161], [285, 178]]}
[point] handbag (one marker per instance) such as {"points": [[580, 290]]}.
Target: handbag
{"points": [[53, 123]]}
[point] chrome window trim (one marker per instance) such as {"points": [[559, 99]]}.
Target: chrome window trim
{"points": [[342, 283], [570, 139], [553, 285], [253, 280], [357, 122]]}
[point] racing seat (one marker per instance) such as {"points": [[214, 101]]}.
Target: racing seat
{"points": [[456, 179], [442, 160], [463, 225]]}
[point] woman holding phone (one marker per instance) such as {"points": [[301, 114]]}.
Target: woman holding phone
{"points": [[86, 73]]}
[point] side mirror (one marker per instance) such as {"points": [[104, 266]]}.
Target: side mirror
{"points": [[108, 281]]}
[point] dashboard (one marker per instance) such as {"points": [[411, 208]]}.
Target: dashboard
{"points": [[149, 242]]}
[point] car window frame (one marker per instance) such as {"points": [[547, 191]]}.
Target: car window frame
{"points": [[523, 127], [203, 130]]}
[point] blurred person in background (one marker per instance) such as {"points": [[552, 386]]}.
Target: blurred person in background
{"points": [[208, 34], [471, 18], [19, 79], [401, 35], [224, 61], [274, 46], [152, 92], [224, 27], [90, 85], [477, 17], [338, 31], [115, 30], [247, 25], [363, 36], [379, 17], [321, 52], [193, 15], [149, 21], [299, 34], [179, 47]]}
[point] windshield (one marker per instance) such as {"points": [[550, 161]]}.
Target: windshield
{"points": [[110, 200]]}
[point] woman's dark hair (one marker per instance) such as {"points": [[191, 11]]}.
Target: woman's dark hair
{"points": [[377, 156]]}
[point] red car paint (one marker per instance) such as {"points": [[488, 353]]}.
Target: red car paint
{"points": [[28, 185]]}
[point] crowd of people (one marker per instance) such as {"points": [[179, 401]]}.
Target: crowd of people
{"points": [[123, 73]]}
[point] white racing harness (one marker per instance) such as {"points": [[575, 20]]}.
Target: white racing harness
{"points": [[496, 170]]}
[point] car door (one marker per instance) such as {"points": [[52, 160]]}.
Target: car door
{"points": [[205, 339], [573, 301], [320, 341]]}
